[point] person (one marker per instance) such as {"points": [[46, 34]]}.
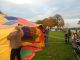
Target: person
{"points": [[46, 35], [79, 34], [66, 37], [74, 39], [15, 43], [75, 36], [69, 35], [41, 27]]}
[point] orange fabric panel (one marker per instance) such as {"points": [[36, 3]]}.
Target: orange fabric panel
{"points": [[23, 21]]}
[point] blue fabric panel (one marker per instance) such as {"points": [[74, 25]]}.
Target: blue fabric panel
{"points": [[11, 18], [10, 23]]}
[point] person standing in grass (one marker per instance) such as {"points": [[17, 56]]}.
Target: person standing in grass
{"points": [[46, 35], [67, 35], [74, 37], [15, 43]]}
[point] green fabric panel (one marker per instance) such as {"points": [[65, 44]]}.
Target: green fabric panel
{"points": [[32, 33], [25, 53]]}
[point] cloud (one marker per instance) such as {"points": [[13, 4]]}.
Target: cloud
{"points": [[39, 9]]}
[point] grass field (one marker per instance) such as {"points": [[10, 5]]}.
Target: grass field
{"points": [[57, 49]]}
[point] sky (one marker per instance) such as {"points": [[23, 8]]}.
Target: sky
{"points": [[34, 10]]}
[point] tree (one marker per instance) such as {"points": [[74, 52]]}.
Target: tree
{"points": [[53, 21], [48, 22], [56, 20], [39, 22], [59, 20], [61, 23]]}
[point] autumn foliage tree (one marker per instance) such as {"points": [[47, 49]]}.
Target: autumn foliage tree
{"points": [[56, 20], [48, 22], [39, 22], [59, 20]]}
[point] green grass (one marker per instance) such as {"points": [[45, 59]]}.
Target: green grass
{"points": [[57, 49]]}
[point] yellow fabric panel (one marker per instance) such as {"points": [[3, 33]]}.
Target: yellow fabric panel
{"points": [[39, 39], [38, 33], [4, 44], [26, 43], [3, 20]]}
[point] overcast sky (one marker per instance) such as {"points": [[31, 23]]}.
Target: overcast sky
{"points": [[39, 9]]}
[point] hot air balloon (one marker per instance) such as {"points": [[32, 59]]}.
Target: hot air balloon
{"points": [[7, 25]]}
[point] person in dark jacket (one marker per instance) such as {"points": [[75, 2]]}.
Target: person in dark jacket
{"points": [[46, 35], [67, 36]]}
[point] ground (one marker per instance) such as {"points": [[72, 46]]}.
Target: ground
{"points": [[56, 49]]}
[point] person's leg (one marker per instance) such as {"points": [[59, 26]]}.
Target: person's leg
{"points": [[13, 54], [18, 53], [46, 41], [68, 39], [65, 39]]}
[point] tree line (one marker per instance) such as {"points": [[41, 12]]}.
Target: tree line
{"points": [[52, 21]]}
